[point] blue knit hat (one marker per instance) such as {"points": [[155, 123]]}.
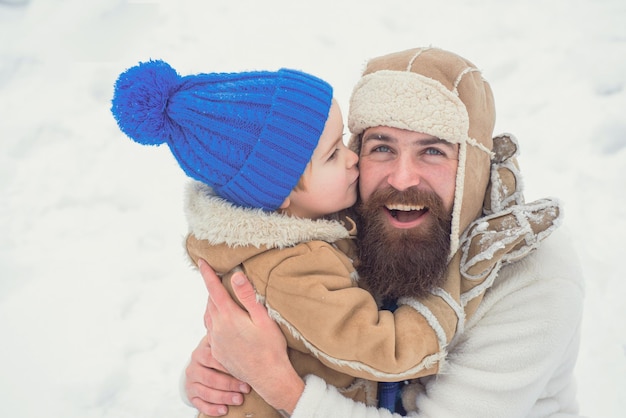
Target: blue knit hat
{"points": [[248, 135]]}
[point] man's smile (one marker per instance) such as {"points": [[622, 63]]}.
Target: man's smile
{"points": [[405, 216]]}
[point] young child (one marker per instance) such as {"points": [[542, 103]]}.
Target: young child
{"points": [[272, 172]]}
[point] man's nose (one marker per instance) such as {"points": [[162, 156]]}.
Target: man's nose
{"points": [[405, 173]]}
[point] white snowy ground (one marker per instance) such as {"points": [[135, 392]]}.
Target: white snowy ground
{"points": [[98, 306]]}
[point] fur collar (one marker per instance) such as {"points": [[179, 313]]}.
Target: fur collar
{"points": [[218, 221]]}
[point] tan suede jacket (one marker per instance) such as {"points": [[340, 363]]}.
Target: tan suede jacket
{"points": [[302, 271]]}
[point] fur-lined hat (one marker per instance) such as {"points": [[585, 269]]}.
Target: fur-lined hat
{"points": [[436, 92]]}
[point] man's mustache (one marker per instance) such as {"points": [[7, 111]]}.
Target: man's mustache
{"points": [[413, 196]]}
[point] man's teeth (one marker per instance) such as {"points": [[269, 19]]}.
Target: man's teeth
{"points": [[404, 208]]}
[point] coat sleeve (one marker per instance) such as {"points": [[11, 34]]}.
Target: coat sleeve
{"points": [[312, 296], [515, 359]]}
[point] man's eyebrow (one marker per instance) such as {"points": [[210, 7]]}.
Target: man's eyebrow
{"points": [[423, 142], [434, 141], [378, 137]]}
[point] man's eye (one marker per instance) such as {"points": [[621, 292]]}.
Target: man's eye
{"points": [[381, 148], [433, 151]]}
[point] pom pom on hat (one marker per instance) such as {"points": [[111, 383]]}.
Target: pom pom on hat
{"points": [[140, 101], [247, 135]]}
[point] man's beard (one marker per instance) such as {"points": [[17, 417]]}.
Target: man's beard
{"points": [[402, 262]]}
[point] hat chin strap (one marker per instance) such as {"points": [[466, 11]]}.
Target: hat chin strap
{"points": [[455, 231]]}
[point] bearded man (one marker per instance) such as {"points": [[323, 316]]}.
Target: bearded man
{"points": [[431, 178]]}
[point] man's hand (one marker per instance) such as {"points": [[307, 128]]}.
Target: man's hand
{"points": [[248, 343], [208, 387]]}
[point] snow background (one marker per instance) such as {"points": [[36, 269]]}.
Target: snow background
{"points": [[99, 308]]}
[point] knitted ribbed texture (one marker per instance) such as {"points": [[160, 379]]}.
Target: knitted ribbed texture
{"points": [[248, 135]]}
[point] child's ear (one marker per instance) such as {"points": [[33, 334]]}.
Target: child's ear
{"points": [[285, 203]]}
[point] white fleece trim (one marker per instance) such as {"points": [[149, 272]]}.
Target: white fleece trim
{"points": [[456, 307], [427, 363], [218, 221], [460, 77], [455, 228], [501, 197], [532, 241], [473, 142], [417, 54], [320, 400], [480, 289], [363, 385], [433, 110], [506, 198]]}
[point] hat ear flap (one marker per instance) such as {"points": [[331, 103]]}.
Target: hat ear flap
{"points": [[510, 229], [505, 186]]}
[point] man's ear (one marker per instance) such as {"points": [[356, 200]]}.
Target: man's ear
{"points": [[285, 203]]}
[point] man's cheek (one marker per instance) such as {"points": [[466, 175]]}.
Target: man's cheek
{"points": [[366, 183]]}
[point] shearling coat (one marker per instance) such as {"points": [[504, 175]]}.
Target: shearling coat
{"points": [[302, 271]]}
